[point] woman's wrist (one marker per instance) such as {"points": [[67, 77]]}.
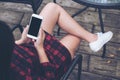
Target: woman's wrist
{"points": [[41, 52], [42, 55]]}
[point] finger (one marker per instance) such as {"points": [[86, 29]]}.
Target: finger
{"points": [[40, 35], [26, 28], [33, 40]]}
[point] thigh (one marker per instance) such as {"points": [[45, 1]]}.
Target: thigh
{"points": [[50, 15], [71, 42]]}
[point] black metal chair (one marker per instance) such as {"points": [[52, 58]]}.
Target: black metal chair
{"points": [[34, 3]]}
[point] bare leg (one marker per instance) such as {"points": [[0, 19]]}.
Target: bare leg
{"points": [[71, 42], [53, 14]]}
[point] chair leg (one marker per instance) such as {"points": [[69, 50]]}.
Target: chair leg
{"points": [[80, 11], [102, 29], [54, 1], [77, 60], [79, 67], [77, 13], [17, 26]]}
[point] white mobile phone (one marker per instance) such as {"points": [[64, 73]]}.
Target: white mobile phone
{"points": [[34, 26]]}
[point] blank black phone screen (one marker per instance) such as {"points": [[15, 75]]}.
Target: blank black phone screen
{"points": [[34, 26]]}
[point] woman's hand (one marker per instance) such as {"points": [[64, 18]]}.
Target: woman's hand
{"points": [[40, 40], [24, 38], [39, 45]]}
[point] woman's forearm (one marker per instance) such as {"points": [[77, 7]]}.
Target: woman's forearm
{"points": [[42, 55]]}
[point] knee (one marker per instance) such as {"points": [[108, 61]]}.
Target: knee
{"points": [[53, 5]]}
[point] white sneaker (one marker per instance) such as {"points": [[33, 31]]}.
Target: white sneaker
{"points": [[103, 38]]}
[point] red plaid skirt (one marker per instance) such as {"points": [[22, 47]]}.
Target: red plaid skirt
{"points": [[25, 63]]}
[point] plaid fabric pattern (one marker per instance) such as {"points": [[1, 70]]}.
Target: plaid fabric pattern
{"points": [[25, 63]]}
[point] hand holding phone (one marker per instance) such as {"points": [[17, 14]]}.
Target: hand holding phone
{"points": [[34, 26], [40, 40]]}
